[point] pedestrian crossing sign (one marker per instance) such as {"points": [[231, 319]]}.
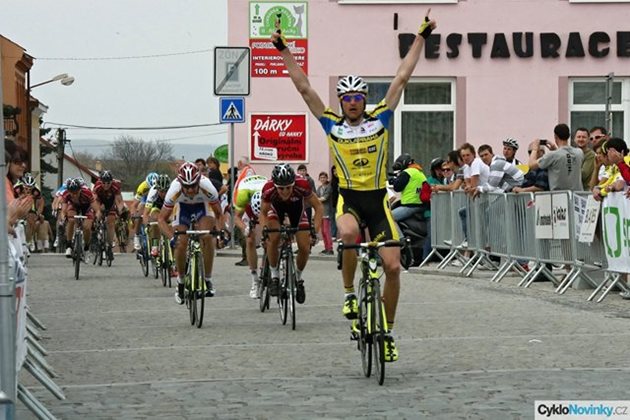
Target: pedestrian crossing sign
{"points": [[232, 109]]}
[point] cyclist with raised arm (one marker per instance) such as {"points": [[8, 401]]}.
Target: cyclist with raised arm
{"points": [[246, 210], [196, 197], [137, 206], [284, 196], [107, 192], [27, 186], [360, 136], [79, 200], [153, 206]]}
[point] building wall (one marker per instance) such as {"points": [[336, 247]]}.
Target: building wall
{"points": [[15, 65], [502, 97]]}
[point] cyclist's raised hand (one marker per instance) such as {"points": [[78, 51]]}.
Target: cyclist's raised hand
{"points": [[427, 26], [277, 39]]}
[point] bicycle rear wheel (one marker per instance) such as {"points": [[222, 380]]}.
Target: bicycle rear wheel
{"points": [[378, 333], [363, 341], [144, 259]]}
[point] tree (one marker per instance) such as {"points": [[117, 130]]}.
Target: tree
{"points": [[131, 158]]}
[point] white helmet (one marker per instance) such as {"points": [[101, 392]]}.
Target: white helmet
{"points": [[351, 84], [255, 203], [510, 142]]}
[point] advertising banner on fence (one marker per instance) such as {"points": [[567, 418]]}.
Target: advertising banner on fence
{"points": [[552, 216], [278, 137], [616, 227], [586, 216], [544, 229], [265, 59]]}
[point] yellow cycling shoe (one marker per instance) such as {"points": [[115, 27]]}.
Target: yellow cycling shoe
{"points": [[391, 352], [350, 307]]}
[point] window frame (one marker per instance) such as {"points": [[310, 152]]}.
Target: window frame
{"points": [[624, 106], [403, 107]]}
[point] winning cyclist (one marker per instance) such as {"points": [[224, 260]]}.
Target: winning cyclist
{"points": [[138, 204], [197, 197], [107, 192], [360, 136], [78, 199], [153, 206], [247, 208], [285, 196]]}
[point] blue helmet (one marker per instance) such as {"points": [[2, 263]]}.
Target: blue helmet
{"points": [[152, 178]]}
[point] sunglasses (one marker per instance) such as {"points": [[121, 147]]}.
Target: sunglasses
{"points": [[189, 187], [356, 98], [446, 169], [601, 136], [283, 187]]}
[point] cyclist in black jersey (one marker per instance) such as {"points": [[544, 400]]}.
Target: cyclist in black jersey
{"points": [[358, 141]]}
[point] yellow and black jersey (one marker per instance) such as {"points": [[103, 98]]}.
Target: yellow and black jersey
{"points": [[360, 152]]}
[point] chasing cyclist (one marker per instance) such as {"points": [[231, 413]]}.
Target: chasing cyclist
{"points": [[79, 200], [107, 192], [137, 207], [284, 196], [247, 203], [358, 135], [197, 197], [153, 206]]}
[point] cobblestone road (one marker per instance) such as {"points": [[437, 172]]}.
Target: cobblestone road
{"points": [[468, 348]]}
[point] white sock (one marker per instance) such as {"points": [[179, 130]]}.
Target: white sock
{"points": [[209, 279], [178, 280], [254, 274], [275, 273], [298, 274]]}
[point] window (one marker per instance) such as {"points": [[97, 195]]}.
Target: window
{"points": [[587, 104], [424, 121]]}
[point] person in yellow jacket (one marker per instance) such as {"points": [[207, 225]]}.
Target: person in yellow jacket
{"points": [[415, 191]]}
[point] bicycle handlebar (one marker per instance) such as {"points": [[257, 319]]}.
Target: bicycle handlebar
{"points": [[364, 245], [287, 229]]}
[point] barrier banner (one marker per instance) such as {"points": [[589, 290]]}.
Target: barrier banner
{"points": [[616, 227], [544, 229], [586, 216], [18, 272]]}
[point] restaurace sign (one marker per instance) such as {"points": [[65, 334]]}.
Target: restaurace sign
{"points": [[521, 44]]}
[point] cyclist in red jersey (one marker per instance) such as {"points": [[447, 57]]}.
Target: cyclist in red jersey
{"points": [[79, 200], [107, 192], [284, 196]]}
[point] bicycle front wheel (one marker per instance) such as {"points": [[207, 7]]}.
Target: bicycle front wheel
{"points": [[378, 333], [78, 254], [283, 296], [263, 286], [199, 296], [363, 336], [291, 289]]}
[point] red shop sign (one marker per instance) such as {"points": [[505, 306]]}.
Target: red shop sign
{"points": [[278, 137], [266, 61]]}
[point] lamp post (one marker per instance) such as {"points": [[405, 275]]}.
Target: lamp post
{"points": [[64, 79]]}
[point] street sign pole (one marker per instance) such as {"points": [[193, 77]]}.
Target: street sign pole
{"points": [[232, 244]]}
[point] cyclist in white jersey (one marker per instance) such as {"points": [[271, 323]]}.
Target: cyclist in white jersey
{"points": [[196, 197]]}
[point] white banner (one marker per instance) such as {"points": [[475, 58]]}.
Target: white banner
{"points": [[18, 272], [616, 227], [544, 229], [586, 219], [560, 215]]}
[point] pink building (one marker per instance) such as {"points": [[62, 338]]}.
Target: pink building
{"points": [[493, 69]]}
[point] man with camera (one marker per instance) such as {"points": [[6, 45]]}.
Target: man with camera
{"points": [[563, 162]]}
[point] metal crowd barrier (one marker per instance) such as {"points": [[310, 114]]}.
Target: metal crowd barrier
{"points": [[503, 225]]}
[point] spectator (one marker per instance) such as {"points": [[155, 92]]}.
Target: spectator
{"points": [[476, 172], [563, 163], [437, 173], [454, 164], [617, 151], [334, 198], [485, 154], [244, 168], [324, 195], [15, 159], [601, 166], [307, 207], [581, 139], [413, 186], [215, 175], [510, 146], [201, 165], [503, 175], [598, 135], [536, 179]]}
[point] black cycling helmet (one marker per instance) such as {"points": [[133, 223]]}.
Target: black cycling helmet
{"points": [[283, 174], [435, 165], [402, 162], [74, 185], [163, 182], [106, 176]]}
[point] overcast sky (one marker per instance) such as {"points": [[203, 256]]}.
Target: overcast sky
{"points": [[140, 92]]}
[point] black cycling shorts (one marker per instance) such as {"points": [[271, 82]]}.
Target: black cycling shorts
{"points": [[370, 208]]}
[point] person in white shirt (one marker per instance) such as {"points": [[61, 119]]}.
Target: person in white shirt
{"points": [[476, 172], [196, 197]]}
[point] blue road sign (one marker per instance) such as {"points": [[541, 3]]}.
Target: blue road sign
{"points": [[232, 109]]}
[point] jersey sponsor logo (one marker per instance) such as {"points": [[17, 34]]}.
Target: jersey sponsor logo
{"points": [[360, 162]]}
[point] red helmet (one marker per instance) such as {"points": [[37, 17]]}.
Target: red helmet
{"points": [[188, 174]]}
